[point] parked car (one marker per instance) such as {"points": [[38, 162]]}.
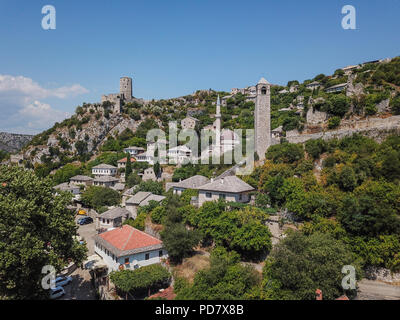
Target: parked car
{"points": [[57, 292], [62, 281], [85, 220]]}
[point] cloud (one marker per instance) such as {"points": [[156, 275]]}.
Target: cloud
{"points": [[21, 108]]}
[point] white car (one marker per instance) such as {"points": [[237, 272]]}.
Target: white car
{"points": [[57, 292], [62, 281]]}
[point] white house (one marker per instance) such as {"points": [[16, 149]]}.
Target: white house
{"points": [[104, 170], [128, 248], [230, 188], [180, 154], [134, 150]]}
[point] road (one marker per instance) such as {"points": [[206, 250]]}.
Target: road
{"points": [[377, 290], [81, 287]]}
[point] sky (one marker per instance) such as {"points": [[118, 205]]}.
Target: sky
{"points": [[172, 48]]}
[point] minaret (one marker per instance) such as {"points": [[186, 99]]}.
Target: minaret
{"points": [[262, 118], [218, 125]]}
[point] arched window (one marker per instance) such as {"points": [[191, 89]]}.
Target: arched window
{"points": [[263, 90]]}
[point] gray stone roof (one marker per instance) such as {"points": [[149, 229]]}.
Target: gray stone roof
{"points": [[81, 178], [114, 213], [138, 197], [105, 179], [152, 197], [229, 184], [104, 166], [190, 183], [119, 186], [66, 187], [338, 86]]}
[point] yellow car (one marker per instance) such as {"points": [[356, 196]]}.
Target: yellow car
{"points": [[82, 212]]}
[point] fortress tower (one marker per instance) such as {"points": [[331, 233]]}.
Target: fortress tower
{"points": [[262, 118], [125, 87]]}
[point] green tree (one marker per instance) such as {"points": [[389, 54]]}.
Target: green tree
{"points": [[128, 168], [97, 197], [36, 230], [300, 264]]}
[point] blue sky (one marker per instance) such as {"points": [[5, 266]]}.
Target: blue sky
{"points": [[172, 48]]}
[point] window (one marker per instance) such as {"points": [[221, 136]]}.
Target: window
{"points": [[126, 260], [160, 253], [222, 196], [240, 197], [208, 195], [147, 256], [263, 90]]}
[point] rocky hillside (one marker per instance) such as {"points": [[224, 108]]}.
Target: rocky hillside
{"points": [[325, 103], [12, 142]]}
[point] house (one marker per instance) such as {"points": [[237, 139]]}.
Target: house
{"points": [[189, 122], [179, 154], [145, 157], [123, 161], [148, 174], [105, 181], [81, 180], [337, 88], [230, 188], [112, 218], [119, 186], [190, 183], [75, 190], [140, 199], [134, 150], [277, 133], [313, 85], [127, 194], [348, 70], [104, 170], [229, 139], [128, 248]]}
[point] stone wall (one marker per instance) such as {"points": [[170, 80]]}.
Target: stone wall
{"points": [[376, 128]]}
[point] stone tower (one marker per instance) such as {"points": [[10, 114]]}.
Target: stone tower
{"points": [[125, 87], [262, 118]]}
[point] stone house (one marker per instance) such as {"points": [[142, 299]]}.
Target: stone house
{"points": [[105, 181], [189, 122], [128, 248], [180, 154], [148, 174], [81, 180], [74, 189], [190, 183], [140, 199], [112, 218], [338, 88], [277, 133], [104, 170], [313, 85], [134, 150], [230, 188]]}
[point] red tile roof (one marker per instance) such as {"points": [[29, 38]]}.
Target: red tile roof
{"points": [[129, 238], [166, 294], [125, 160]]}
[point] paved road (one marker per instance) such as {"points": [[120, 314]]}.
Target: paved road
{"points": [[376, 290], [87, 232]]}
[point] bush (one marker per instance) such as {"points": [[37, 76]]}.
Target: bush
{"points": [[334, 122]]}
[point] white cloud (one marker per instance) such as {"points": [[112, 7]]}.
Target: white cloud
{"points": [[21, 108]]}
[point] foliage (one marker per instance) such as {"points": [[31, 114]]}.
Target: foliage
{"points": [[300, 264], [97, 197], [334, 122], [65, 173], [285, 153], [150, 186], [144, 279], [36, 230]]}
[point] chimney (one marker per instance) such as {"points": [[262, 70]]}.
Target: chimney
{"points": [[318, 294], [222, 180]]}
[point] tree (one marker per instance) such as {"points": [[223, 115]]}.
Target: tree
{"points": [[65, 173], [334, 122], [128, 168], [150, 186], [300, 264], [285, 152], [225, 279], [179, 241], [97, 197], [36, 230]]}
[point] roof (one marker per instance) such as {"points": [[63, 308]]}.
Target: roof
{"points": [[152, 197], [114, 213], [279, 129], [123, 160], [134, 148], [127, 240], [129, 191], [66, 187], [138, 197], [183, 148], [229, 184], [105, 179], [338, 86], [81, 178], [119, 186], [104, 166], [190, 117], [313, 83], [263, 81], [192, 182]]}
